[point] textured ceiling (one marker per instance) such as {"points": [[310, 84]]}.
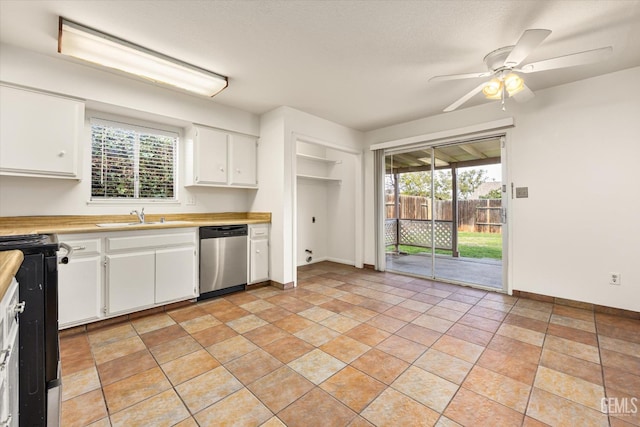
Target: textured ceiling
{"points": [[364, 64]]}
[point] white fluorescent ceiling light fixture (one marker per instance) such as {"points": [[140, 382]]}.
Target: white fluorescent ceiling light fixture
{"points": [[99, 48]]}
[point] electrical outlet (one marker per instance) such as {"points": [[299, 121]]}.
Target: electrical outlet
{"points": [[614, 278], [191, 200]]}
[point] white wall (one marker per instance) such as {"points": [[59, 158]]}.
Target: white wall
{"points": [[342, 207], [114, 94], [271, 195], [576, 147], [312, 203]]}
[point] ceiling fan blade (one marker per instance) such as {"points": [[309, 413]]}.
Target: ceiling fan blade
{"points": [[529, 40], [465, 98], [459, 76], [574, 59], [524, 95]]}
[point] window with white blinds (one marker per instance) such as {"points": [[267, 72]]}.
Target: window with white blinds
{"points": [[132, 162]]}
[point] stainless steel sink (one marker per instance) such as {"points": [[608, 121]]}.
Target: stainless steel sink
{"points": [[141, 224]]}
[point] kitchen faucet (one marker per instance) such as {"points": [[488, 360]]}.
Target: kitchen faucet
{"points": [[140, 215]]}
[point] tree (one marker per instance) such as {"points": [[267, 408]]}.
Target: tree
{"points": [[496, 193], [469, 180], [419, 184]]}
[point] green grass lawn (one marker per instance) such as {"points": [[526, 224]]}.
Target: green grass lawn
{"points": [[470, 245]]}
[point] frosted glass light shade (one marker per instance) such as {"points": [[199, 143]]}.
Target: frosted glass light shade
{"points": [[493, 89], [93, 46], [513, 83]]}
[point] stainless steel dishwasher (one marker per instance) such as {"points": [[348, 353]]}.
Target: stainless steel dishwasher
{"points": [[223, 260]]}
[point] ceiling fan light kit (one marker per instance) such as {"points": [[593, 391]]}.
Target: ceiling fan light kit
{"points": [[504, 65], [512, 83]]}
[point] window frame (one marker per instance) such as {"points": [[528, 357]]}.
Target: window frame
{"points": [[137, 126]]}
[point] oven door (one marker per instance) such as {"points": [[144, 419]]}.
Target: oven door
{"points": [[38, 337]]}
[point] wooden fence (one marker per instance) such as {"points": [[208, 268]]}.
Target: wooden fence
{"points": [[479, 216]]}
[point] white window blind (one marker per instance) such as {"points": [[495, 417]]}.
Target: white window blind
{"points": [[132, 162]]}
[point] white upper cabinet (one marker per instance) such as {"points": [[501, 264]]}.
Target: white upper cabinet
{"points": [[210, 158], [217, 158], [40, 134], [243, 161]]}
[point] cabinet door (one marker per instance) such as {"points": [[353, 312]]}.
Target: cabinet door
{"points": [[243, 160], [12, 379], [175, 274], [4, 346], [80, 290], [40, 133], [130, 281], [259, 260], [211, 157]]}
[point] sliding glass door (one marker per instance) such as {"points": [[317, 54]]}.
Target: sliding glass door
{"points": [[443, 212]]}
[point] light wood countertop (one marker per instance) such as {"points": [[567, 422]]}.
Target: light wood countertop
{"points": [[10, 262], [69, 224]]}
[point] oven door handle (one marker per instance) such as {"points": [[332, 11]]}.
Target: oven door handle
{"points": [[69, 249]]}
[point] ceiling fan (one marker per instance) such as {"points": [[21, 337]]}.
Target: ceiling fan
{"points": [[505, 67]]}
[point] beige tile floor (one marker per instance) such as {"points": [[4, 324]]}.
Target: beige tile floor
{"points": [[353, 347]]}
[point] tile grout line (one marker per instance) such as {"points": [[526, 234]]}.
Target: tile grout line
{"points": [[604, 385], [387, 291]]}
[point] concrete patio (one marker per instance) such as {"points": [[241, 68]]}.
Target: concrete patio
{"points": [[476, 271]]}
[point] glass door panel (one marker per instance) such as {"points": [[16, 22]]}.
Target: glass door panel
{"points": [[407, 212], [445, 222], [469, 213]]}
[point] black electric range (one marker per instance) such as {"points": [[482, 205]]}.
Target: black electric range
{"points": [[39, 354]]}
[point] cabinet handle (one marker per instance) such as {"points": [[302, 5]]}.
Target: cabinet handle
{"points": [[196, 178], [221, 169], [7, 422], [62, 153], [79, 248], [257, 251], [19, 308], [238, 171], [5, 357]]}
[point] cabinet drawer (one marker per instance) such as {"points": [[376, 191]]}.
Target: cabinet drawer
{"points": [[259, 232], [84, 247], [151, 241]]}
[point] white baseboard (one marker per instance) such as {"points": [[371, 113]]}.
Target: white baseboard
{"points": [[341, 261], [326, 258]]}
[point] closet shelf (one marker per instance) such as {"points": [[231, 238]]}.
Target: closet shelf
{"points": [[319, 178], [317, 159]]}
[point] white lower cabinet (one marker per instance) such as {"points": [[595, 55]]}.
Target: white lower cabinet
{"points": [[120, 272], [258, 253], [175, 274], [131, 281], [9, 350], [80, 290], [80, 281], [259, 267]]}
